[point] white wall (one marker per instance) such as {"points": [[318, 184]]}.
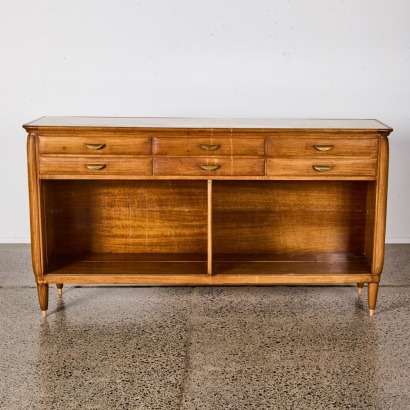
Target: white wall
{"points": [[256, 58]]}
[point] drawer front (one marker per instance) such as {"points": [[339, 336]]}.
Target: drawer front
{"points": [[90, 165], [321, 167], [323, 146], [94, 145], [208, 166], [209, 146]]}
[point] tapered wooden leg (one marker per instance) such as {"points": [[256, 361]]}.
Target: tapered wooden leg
{"points": [[372, 294], [42, 290], [360, 289], [60, 289]]}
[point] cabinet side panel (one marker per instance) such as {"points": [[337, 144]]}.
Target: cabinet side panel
{"points": [[370, 220], [381, 207], [48, 205], [35, 208]]}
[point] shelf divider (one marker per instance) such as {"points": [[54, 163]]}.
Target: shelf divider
{"points": [[209, 254]]}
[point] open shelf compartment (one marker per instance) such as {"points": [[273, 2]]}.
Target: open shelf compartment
{"points": [[128, 228], [189, 232], [295, 230]]}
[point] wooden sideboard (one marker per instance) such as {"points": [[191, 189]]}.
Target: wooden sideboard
{"points": [[174, 201]]}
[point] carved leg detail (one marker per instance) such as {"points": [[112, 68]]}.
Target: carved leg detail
{"points": [[60, 289], [42, 290], [360, 289], [372, 294]]}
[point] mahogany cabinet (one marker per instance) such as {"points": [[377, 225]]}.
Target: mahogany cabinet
{"points": [[174, 201]]}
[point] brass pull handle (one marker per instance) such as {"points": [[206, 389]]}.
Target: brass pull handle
{"points": [[209, 147], [322, 168], [95, 146], [209, 167], [323, 148], [95, 167]]}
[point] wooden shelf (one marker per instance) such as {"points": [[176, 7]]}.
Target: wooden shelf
{"points": [[305, 258], [191, 269], [125, 265]]}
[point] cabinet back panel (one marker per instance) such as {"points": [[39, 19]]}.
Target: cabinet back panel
{"points": [[289, 216], [126, 216]]}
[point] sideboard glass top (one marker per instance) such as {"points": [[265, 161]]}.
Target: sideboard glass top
{"points": [[229, 123]]}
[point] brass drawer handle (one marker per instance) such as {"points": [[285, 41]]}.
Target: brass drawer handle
{"points": [[95, 146], [323, 148], [322, 168], [209, 147], [209, 167], [95, 167]]}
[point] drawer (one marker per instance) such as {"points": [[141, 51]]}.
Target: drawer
{"points": [[90, 165], [320, 167], [208, 166], [209, 146], [94, 145], [323, 146]]}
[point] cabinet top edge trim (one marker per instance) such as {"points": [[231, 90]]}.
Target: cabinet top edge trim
{"points": [[207, 123]]}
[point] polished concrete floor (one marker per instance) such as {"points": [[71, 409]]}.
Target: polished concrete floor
{"points": [[204, 348]]}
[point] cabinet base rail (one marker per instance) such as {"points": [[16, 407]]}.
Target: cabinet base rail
{"points": [[208, 280]]}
